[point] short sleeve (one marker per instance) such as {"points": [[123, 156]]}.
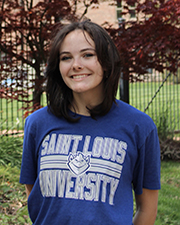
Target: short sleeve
{"points": [[147, 169], [29, 160]]}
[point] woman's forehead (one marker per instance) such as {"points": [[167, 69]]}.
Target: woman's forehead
{"points": [[76, 39]]}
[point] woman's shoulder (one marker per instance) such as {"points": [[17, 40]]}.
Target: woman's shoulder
{"points": [[132, 114], [38, 114], [40, 117], [125, 107]]}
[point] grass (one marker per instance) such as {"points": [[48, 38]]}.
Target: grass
{"points": [[169, 196], [13, 206], [12, 113]]}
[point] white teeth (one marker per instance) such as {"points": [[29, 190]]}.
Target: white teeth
{"points": [[79, 76]]}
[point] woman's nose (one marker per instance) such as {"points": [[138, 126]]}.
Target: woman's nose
{"points": [[77, 65]]}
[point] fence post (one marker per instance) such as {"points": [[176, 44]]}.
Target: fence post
{"points": [[124, 89]]}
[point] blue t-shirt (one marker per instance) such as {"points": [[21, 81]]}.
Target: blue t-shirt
{"points": [[84, 172]]}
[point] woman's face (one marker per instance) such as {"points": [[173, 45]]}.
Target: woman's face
{"points": [[79, 65]]}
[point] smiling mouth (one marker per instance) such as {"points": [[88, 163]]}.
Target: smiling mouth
{"points": [[79, 76]]}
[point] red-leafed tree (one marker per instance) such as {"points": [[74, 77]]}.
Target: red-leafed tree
{"points": [[152, 40], [26, 27]]}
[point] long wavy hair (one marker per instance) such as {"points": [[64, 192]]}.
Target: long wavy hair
{"points": [[59, 95]]}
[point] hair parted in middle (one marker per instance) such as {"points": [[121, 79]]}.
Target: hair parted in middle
{"points": [[59, 95]]}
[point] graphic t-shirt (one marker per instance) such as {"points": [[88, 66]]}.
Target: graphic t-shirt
{"points": [[84, 172]]}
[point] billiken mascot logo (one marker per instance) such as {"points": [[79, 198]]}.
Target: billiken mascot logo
{"points": [[78, 163]]}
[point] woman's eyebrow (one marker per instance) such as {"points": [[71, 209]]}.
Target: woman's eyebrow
{"points": [[87, 49], [82, 50], [65, 52]]}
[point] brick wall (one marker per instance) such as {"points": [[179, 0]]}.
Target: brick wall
{"points": [[105, 11]]}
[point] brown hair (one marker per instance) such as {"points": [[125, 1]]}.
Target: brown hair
{"points": [[59, 95]]}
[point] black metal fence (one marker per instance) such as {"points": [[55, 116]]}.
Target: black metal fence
{"points": [[158, 96]]}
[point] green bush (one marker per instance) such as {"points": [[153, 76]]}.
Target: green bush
{"points": [[11, 150], [170, 148], [162, 126], [13, 201]]}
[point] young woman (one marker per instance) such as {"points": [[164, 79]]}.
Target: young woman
{"points": [[86, 152]]}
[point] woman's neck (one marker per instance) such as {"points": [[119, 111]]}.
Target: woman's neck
{"points": [[81, 103]]}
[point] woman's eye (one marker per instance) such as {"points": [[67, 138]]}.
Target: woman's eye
{"points": [[87, 55], [64, 58]]}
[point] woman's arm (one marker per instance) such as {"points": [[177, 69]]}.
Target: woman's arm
{"points": [[28, 189], [146, 207]]}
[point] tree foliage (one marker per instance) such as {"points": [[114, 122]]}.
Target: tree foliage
{"points": [[150, 41]]}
